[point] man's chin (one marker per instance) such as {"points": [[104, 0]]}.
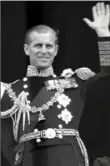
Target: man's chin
{"points": [[43, 66]]}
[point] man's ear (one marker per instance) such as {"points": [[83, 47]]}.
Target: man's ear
{"points": [[56, 51], [26, 49]]}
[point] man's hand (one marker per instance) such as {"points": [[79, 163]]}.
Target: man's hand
{"points": [[101, 19], [84, 73]]}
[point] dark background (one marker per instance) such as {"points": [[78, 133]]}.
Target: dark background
{"points": [[77, 48]]}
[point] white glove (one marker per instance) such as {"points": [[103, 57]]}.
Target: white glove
{"points": [[67, 73], [84, 73]]}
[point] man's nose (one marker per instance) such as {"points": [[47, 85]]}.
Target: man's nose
{"points": [[44, 50]]}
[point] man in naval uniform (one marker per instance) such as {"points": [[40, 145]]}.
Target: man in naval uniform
{"points": [[41, 112]]}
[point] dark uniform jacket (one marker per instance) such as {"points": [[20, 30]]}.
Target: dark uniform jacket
{"points": [[64, 112]]}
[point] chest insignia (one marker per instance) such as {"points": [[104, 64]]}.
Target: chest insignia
{"points": [[66, 116], [61, 83], [63, 100]]}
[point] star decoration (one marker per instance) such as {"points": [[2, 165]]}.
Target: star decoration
{"points": [[64, 100], [66, 116]]}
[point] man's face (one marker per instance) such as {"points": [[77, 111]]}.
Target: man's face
{"points": [[41, 49]]}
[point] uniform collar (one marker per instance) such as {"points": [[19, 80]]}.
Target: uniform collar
{"points": [[33, 71]]}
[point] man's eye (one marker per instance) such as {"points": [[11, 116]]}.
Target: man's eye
{"points": [[38, 45], [49, 46]]}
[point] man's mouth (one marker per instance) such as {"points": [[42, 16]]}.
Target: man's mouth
{"points": [[44, 58]]}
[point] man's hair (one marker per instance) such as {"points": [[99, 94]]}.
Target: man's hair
{"points": [[41, 29]]}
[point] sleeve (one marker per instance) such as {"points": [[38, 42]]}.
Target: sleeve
{"points": [[104, 57], [104, 53], [82, 86]]}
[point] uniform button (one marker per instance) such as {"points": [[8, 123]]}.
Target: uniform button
{"points": [[58, 106], [76, 85], [25, 79], [27, 93], [35, 130], [60, 136], [38, 140], [54, 75], [25, 86], [60, 126], [28, 101]]}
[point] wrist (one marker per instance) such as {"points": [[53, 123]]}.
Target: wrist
{"points": [[103, 32]]}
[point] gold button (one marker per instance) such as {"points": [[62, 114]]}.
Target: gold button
{"points": [[60, 126], [38, 140], [27, 93], [25, 79], [35, 130], [25, 86], [60, 136], [28, 101], [58, 106]]}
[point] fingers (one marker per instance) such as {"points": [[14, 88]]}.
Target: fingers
{"points": [[93, 74], [94, 12], [102, 6], [88, 22], [107, 9], [83, 73], [100, 9]]}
